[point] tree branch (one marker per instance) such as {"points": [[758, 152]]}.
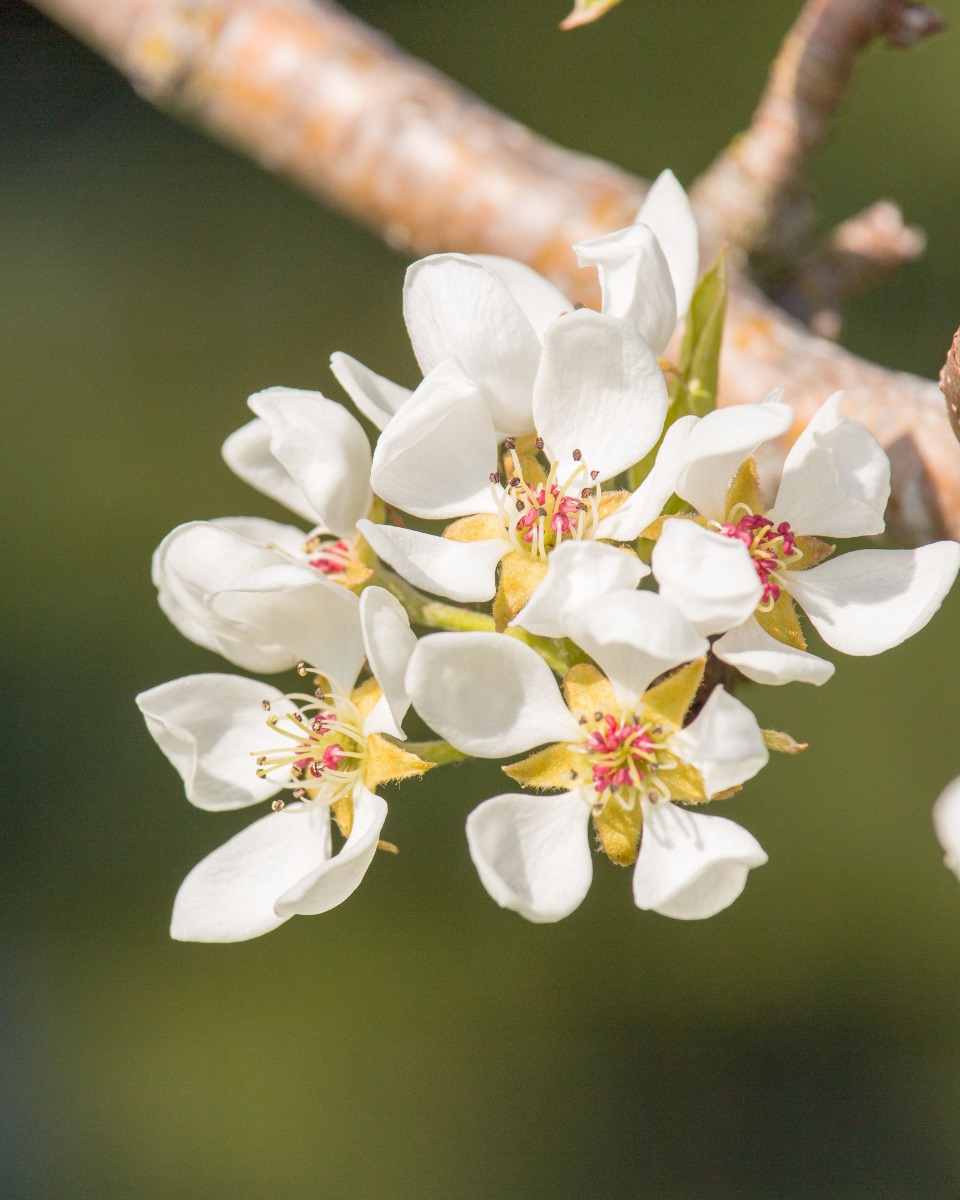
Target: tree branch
{"points": [[309, 92]]}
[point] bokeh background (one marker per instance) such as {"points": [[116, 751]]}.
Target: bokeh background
{"points": [[418, 1041]]}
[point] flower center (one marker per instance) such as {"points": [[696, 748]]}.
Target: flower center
{"points": [[625, 754], [330, 557], [537, 516], [325, 750], [771, 547]]}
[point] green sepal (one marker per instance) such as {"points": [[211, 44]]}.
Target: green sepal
{"points": [[744, 489], [781, 622], [815, 550], [694, 390], [557, 768], [669, 702], [783, 743], [585, 11]]}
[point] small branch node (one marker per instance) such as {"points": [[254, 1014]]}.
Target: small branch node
{"points": [[906, 24], [950, 383]]}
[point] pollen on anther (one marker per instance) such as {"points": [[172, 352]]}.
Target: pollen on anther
{"points": [[585, 492], [594, 474], [539, 443], [301, 668], [515, 481], [520, 506], [265, 705], [598, 716], [277, 805], [577, 455], [509, 444], [494, 476], [298, 793], [582, 720]]}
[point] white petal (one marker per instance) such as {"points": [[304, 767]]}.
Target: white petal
{"points": [[635, 282], [667, 211], [464, 571], [533, 852], [455, 307], [691, 865], [271, 535], [578, 573], [230, 895], [870, 600], [389, 642], [377, 398], [646, 503], [634, 637], [946, 822], [724, 743], [538, 298], [763, 659], [710, 578], [719, 443], [207, 726], [293, 614], [435, 457], [599, 390], [488, 694], [329, 883], [325, 451], [196, 560], [247, 453], [836, 478]]}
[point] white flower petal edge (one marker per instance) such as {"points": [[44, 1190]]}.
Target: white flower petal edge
{"points": [[578, 573], [710, 578], [247, 453], [691, 865], [435, 457], [868, 601], [457, 308], [646, 504], [230, 895], [488, 694], [634, 637], [719, 443], [763, 659], [206, 725], [465, 571], [946, 823], [331, 882], [533, 852], [379, 399], [836, 478], [599, 390], [540, 300], [389, 642], [666, 210], [724, 742]]}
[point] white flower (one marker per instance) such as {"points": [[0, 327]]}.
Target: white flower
{"points": [[742, 565], [946, 823], [225, 589], [325, 746], [620, 755]]}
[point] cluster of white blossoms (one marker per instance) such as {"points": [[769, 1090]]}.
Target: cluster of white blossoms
{"points": [[513, 515]]}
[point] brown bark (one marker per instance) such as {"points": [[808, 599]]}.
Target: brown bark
{"points": [[309, 92]]}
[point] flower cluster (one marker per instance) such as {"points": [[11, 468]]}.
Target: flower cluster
{"points": [[516, 512]]}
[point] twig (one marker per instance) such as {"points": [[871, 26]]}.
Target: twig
{"points": [[313, 94], [752, 193], [950, 383]]}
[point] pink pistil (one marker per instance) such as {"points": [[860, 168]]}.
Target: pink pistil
{"points": [[625, 753], [768, 546]]}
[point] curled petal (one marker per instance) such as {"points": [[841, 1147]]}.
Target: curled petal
{"points": [[646, 503], [487, 694], [634, 637], [719, 443], [578, 573], [389, 642], [377, 398], [946, 823], [457, 308], [231, 894], [540, 300], [691, 865], [533, 852], [667, 211], [599, 390], [323, 449], [871, 600], [724, 743], [836, 478], [247, 453], [635, 282], [464, 571], [329, 883], [710, 578], [207, 726], [435, 457], [763, 659]]}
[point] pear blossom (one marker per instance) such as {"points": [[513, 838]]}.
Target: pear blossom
{"points": [[617, 751], [237, 742], [740, 567]]}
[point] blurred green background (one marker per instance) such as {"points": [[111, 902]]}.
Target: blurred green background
{"points": [[418, 1041]]}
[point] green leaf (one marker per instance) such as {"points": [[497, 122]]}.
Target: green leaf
{"points": [[695, 390], [585, 11]]}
